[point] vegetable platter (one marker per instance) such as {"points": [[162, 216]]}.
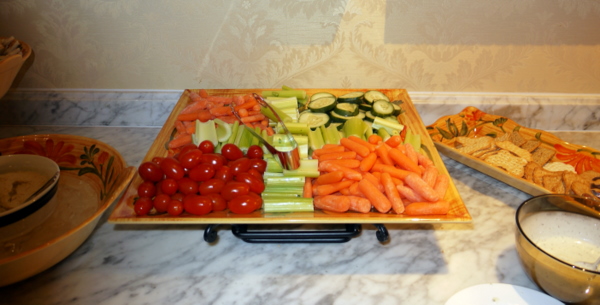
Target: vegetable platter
{"points": [[323, 111]]}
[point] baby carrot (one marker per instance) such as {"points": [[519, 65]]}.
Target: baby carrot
{"points": [[349, 173], [253, 118], [411, 153], [427, 208], [383, 154], [363, 143], [180, 127], [328, 189], [354, 191], [367, 163], [349, 163], [392, 193], [360, 149], [430, 174], [359, 204], [246, 105], [187, 116], [421, 187], [424, 160], [395, 172], [332, 203], [332, 177], [321, 151], [330, 145], [404, 162], [373, 180], [221, 111], [307, 191], [338, 156], [394, 141], [203, 93], [180, 141], [441, 185], [377, 198], [409, 194], [204, 116], [374, 139]]}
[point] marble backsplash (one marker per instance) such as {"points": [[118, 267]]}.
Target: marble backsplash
{"points": [[152, 108]]}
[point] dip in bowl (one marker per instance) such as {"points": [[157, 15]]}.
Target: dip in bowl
{"points": [[554, 240]]}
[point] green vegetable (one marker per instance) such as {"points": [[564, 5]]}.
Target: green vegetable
{"points": [[299, 94], [314, 120], [352, 97], [205, 131], [346, 109], [371, 96], [354, 127], [382, 108], [279, 204], [388, 125], [315, 138], [322, 105]]}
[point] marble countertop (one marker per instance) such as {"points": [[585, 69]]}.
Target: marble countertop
{"points": [[172, 264]]}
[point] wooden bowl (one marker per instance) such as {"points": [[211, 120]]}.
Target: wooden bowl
{"points": [[9, 68], [92, 177]]}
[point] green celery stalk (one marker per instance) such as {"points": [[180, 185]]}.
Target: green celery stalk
{"points": [[391, 127], [273, 166], [295, 190], [256, 140], [285, 181], [287, 205], [354, 127], [293, 127], [268, 113], [413, 139], [287, 195], [315, 139], [384, 134], [299, 94], [205, 131], [234, 130]]}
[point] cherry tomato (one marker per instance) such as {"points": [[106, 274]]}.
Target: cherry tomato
{"points": [[231, 152], [255, 152], [218, 203], [216, 160], [256, 185], [243, 204], [240, 165], [175, 208], [233, 189], [177, 196], [201, 172], [259, 164], [187, 186], [161, 202], [190, 158], [169, 186], [255, 173], [146, 189], [211, 186], [207, 147], [172, 168], [224, 173], [157, 160], [187, 148], [142, 206], [150, 171], [197, 204]]}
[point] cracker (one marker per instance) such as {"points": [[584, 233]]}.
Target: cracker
{"points": [[542, 155], [569, 178], [471, 145], [538, 175], [504, 137], [531, 145], [516, 138], [580, 188], [554, 183], [529, 168], [514, 149], [512, 164]]}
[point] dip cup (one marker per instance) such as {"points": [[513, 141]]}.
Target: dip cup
{"points": [[553, 234]]}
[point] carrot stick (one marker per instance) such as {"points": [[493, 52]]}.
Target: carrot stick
{"points": [[346, 191], [307, 191], [354, 191], [373, 180], [338, 156], [328, 189], [377, 198], [194, 107], [427, 208], [204, 116], [392, 193], [430, 174], [349, 173], [421, 187], [409, 194], [424, 160], [221, 111], [404, 162], [243, 113], [253, 118], [332, 177], [395, 172], [359, 204], [411, 153], [383, 155], [187, 116], [332, 203], [441, 185], [363, 143], [180, 127], [367, 163], [360, 149], [321, 151], [246, 105], [349, 163], [180, 141]]}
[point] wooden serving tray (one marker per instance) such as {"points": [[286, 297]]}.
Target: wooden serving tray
{"points": [[472, 122], [124, 213]]}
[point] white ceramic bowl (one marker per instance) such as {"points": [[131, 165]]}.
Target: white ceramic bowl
{"points": [[10, 67], [32, 211]]}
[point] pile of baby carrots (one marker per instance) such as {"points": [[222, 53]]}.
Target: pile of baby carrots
{"points": [[390, 176], [204, 107]]}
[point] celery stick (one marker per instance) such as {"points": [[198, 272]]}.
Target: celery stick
{"points": [[245, 139], [299, 94], [284, 87], [315, 139], [303, 151], [255, 139], [382, 132], [205, 131], [354, 127], [293, 127], [273, 166], [413, 139], [295, 190], [334, 134], [284, 181], [390, 126], [268, 113], [287, 205], [300, 139], [287, 195], [284, 103], [234, 130]]}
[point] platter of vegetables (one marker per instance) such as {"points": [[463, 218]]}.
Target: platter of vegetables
{"points": [[366, 157]]}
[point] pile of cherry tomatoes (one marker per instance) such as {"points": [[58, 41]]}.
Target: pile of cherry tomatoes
{"points": [[199, 181]]}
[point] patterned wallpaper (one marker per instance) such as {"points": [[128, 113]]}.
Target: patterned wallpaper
{"points": [[421, 45]]}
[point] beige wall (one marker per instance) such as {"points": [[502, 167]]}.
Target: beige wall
{"points": [[425, 45]]}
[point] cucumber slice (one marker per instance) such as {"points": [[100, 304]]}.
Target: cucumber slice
{"points": [[371, 96], [346, 109], [397, 109], [336, 118], [382, 108], [352, 97], [319, 95], [322, 105], [314, 120], [365, 107], [369, 116]]}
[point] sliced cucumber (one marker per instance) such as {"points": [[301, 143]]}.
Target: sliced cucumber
{"points": [[397, 109], [322, 105], [319, 95], [314, 120], [371, 96], [352, 97], [382, 108], [365, 107], [346, 109], [336, 118], [369, 116]]}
